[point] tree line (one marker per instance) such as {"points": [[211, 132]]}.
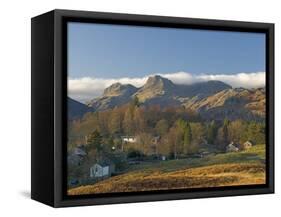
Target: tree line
{"points": [[172, 131]]}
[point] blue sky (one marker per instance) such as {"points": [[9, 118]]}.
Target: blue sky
{"points": [[102, 54], [103, 50]]}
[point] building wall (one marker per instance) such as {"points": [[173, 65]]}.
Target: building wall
{"points": [[99, 171]]}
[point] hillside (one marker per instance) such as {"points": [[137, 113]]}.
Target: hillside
{"points": [[76, 109], [228, 169], [231, 103]]}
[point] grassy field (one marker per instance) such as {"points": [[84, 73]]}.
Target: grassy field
{"points": [[228, 169]]}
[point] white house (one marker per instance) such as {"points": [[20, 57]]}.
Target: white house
{"points": [[129, 139], [101, 170], [247, 145], [232, 148]]}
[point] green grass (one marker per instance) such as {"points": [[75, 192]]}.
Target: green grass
{"points": [[253, 155]]}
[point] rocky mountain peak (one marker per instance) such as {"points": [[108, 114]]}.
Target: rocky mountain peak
{"points": [[158, 81], [155, 86], [118, 89]]}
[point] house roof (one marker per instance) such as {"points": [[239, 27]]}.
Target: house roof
{"points": [[103, 164]]}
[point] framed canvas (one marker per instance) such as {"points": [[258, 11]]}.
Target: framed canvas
{"points": [[134, 108]]}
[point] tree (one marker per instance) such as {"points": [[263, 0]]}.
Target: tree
{"points": [[222, 135], [128, 122], [176, 137], [198, 136], [144, 143], [225, 130], [256, 132], [103, 119], [162, 127], [187, 137], [152, 114], [115, 122], [117, 143], [211, 132], [136, 101], [167, 145], [236, 130], [181, 124], [108, 144], [139, 120], [94, 141], [164, 147]]}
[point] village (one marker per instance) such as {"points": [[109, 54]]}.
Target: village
{"points": [[122, 158]]}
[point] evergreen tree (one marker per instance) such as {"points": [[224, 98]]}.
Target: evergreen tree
{"points": [[187, 137], [225, 131], [211, 132], [94, 141]]}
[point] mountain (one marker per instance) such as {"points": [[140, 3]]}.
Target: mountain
{"points": [[213, 100], [76, 109], [118, 89], [115, 95], [231, 103], [202, 89], [156, 90], [155, 86]]}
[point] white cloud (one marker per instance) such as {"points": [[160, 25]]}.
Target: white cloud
{"points": [[86, 88]]}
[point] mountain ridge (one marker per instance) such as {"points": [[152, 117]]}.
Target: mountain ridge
{"points": [[211, 99], [76, 109], [156, 90]]}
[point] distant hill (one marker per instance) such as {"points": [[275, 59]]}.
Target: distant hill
{"points": [[156, 90], [76, 109]]}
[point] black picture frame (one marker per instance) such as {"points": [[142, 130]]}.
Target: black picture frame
{"points": [[49, 107]]}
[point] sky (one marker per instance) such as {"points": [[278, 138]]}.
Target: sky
{"points": [[102, 54]]}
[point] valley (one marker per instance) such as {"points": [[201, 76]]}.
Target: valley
{"points": [[166, 136]]}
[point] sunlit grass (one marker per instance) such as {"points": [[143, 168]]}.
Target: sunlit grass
{"points": [[228, 169]]}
